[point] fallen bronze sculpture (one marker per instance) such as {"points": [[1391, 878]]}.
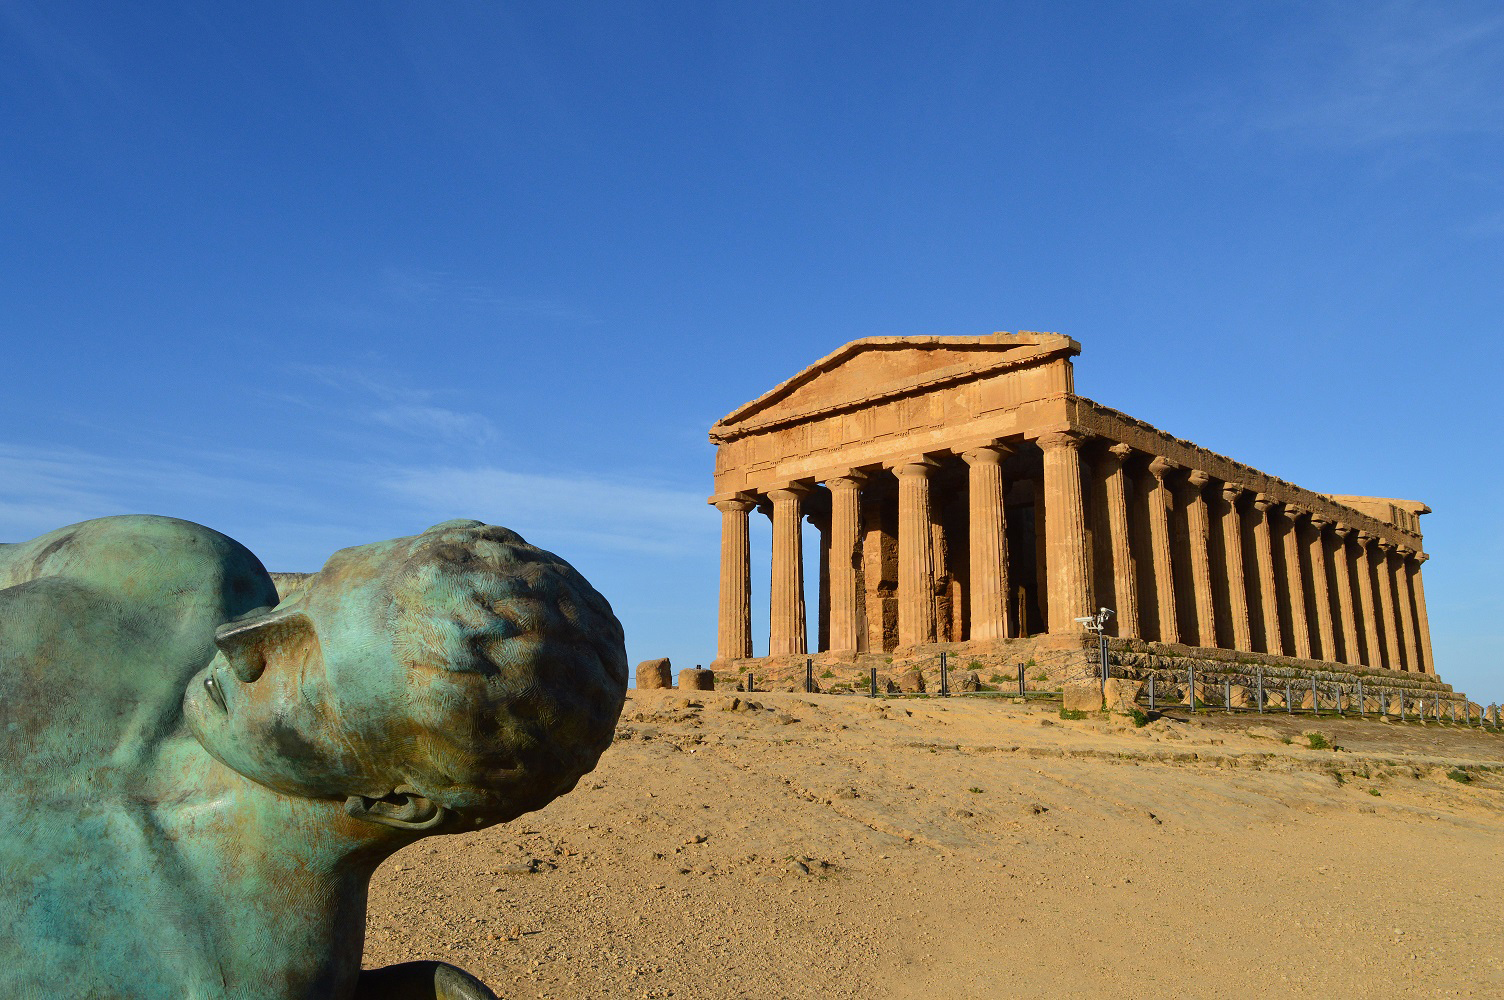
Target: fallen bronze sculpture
{"points": [[197, 780]]}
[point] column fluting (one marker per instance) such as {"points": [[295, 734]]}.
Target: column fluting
{"points": [[1199, 531], [788, 630], [1124, 572], [734, 630], [1159, 538], [1342, 569], [1373, 655], [1268, 595], [987, 585], [1421, 620], [1300, 626], [1237, 586], [916, 554], [1384, 571], [1321, 595], [1068, 565], [1405, 595], [845, 532]]}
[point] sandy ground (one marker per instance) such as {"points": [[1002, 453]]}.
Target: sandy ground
{"points": [[828, 846]]}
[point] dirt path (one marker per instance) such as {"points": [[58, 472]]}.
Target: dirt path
{"points": [[824, 846]]}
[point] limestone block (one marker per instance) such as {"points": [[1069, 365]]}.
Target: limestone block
{"points": [[695, 679], [1307, 700], [970, 682], [1121, 695], [1274, 699], [911, 681], [1241, 697], [653, 674], [1082, 697]]}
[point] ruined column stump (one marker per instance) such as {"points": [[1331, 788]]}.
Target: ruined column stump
{"points": [[695, 679], [653, 674]]}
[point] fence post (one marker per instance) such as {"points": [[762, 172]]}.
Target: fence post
{"points": [[751, 681], [872, 692], [944, 677], [1190, 697], [1402, 706], [1227, 696], [1361, 706], [1151, 692], [1261, 690], [1315, 697], [809, 674], [1289, 699]]}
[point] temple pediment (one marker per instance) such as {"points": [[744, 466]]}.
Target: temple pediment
{"points": [[876, 368]]}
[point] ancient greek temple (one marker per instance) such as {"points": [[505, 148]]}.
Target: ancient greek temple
{"points": [[965, 495]]}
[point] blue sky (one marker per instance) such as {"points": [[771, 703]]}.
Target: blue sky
{"points": [[318, 274]]}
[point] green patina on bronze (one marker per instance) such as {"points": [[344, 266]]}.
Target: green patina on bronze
{"points": [[196, 781]]}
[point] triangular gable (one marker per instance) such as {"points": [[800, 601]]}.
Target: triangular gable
{"points": [[875, 368]]}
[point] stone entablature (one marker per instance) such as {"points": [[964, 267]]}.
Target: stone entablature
{"points": [[964, 494]]}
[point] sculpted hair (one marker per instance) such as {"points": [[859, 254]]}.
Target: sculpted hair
{"points": [[515, 665]]}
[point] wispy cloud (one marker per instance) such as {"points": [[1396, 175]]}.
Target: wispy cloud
{"points": [[1389, 72], [587, 510], [369, 398], [428, 288], [42, 489]]}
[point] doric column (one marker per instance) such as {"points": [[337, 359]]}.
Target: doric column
{"points": [[1068, 567], [820, 520], [1124, 573], [1321, 594], [1237, 588], [734, 630], [1300, 628], [1159, 539], [1268, 596], [845, 528], [1385, 573], [1342, 569], [1041, 557], [916, 554], [788, 631], [1405, 594], [1199, 530], [1373, 655], [1421, 620], [987, 584]]}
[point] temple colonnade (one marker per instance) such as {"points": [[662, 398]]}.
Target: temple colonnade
{"points": [[1016, 536]]}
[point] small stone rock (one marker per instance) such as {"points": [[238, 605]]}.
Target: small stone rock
{"points": [[654, 674], [696, 679]]}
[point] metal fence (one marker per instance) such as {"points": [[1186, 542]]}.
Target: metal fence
{"points": [[1254, 694]]}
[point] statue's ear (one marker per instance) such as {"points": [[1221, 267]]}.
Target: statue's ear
{"points": [[403, 810], [248, 641]]}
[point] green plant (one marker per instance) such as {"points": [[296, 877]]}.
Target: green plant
{"points": [[828, 673], [1319, 741], [1140, 720], [974, 790], [975, 665], [1072, 714], [997, 679], [1374, 792], [1458, 774], [1286, 740], [1341, 779]]}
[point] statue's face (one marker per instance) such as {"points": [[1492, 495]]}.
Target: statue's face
{"points": [[281, 718]]}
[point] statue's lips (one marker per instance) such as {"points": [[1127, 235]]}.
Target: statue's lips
{"points": [[216, 693]]}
